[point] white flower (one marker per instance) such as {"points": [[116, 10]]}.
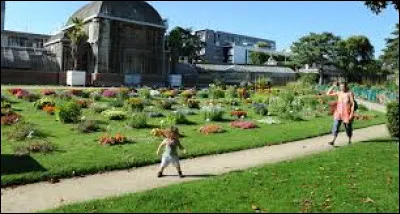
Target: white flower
{"points": [[208, 120], [162, 121]]}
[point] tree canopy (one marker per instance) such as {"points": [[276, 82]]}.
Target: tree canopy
{"points": [[390, 55], [378, 6]]}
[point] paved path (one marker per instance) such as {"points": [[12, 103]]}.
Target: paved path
{"points": [[372, 106], [43, 195]]}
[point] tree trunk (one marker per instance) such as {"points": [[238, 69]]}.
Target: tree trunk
{"points": [[321, 76]]}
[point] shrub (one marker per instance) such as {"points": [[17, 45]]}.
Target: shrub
{"points": [[188, 94], [170, 93], [192, 103], [99, 107], [35, 146], [138, 120], [242, 93], [69, 112], [154, 93], [117, 102], [177, 118], [5, 104], [23, 130], [210, 129], [95, 96], [10, 118], [238, 114], [393, 118], [216, 92], [14, 91], [22, 94], [157, 132], [230, 92], [65, 95], [260, 108], [31, 97], [155, 114], [136, 104], [49, 109], [203, 93], [186, 111], [83, 103], [109, 140], [165, 104], [145, 93], [76, 92], [88, 126], [243, 124], [212, 113], [123, 93], [114, 114], [269, 120], [48, 92], [45, 101], [109, 93]]}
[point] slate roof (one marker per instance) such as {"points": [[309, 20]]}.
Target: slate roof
{"points": [[132, 10]]}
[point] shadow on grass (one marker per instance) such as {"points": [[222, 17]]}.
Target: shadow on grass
{"points": [[382, 140], [15, 164]]}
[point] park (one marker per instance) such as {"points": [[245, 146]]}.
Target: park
{"points": [[259, 144]]}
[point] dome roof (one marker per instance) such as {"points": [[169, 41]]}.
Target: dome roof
{"points": [[131, 10]]}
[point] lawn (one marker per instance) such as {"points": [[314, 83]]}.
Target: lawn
{"points": [[363, 177], [80, 154]]}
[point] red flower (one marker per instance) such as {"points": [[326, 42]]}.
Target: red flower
{"points": [[243, 124]]}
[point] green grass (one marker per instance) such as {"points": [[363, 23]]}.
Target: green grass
{"points": [[359, 178], [80, 154]]}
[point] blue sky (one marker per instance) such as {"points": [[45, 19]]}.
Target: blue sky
{"points": [[283, 22]]}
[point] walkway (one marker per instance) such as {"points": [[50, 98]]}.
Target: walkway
{"points": [[43, 195]]}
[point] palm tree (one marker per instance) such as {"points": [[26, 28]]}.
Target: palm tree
{"points": [[78, 38]]}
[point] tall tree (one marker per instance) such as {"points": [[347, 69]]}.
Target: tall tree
{"points": [[390, 55], [378, 6], [79, 43], [320, 49], [354, 55], [182, 42]]}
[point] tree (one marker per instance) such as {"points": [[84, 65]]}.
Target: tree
{"points": [[262, 45], [390, 55], [79, 44], [378, 6], [182, 42], [320, 49], [354, 54]]}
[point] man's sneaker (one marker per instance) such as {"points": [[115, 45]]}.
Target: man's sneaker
{"points": [[331, 143], [159, 174], [180, 174]]}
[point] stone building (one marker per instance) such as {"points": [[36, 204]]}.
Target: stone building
{"points": [[126, 47], [126, 43]]}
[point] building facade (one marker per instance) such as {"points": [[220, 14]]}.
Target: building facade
{"points": [[125, 46], [3, 14], [222, 47]]}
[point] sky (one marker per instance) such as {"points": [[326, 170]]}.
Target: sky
{"points": [[283, 22]]}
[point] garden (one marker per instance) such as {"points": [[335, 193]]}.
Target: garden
{"points": [[50, 134]]}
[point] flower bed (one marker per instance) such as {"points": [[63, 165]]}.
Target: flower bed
{"points": [[109, 140], [243, 124], [210, 129], [48, 92]]}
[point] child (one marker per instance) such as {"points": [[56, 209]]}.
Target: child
{"points": [[171, 143]]}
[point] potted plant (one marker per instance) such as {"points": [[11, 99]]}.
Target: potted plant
{"points": [[79, 45]]}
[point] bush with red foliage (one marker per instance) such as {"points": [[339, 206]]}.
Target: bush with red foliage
{"points": [[212, 128], [10, 118], [107, 139], [238, 114], [48, 92]]}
